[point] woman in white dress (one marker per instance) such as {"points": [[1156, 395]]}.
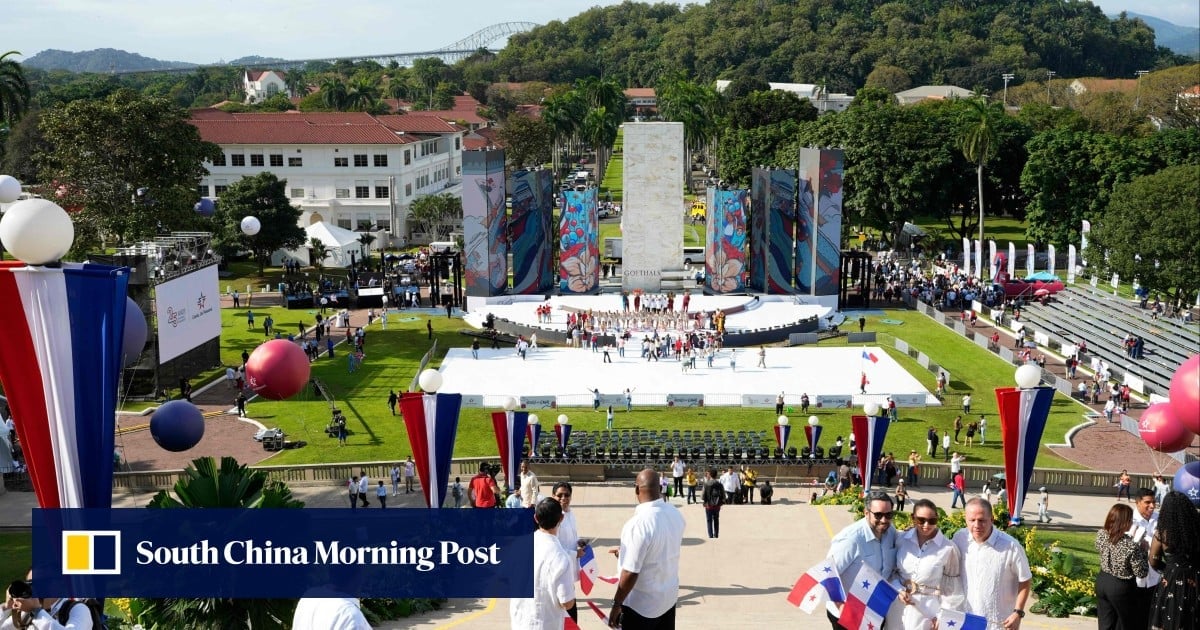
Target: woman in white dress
{"points": [[927, 569]]}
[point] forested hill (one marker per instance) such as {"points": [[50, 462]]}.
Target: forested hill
{"points": [[968, 43], [99, 60]]}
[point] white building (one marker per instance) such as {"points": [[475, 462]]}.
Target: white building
{"points": [[932, 92], [357, 171], [825, 102], [260, 85]]}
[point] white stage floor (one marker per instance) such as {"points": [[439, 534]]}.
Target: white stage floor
{"points": [[569, 374]]}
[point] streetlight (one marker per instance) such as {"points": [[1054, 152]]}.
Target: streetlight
{"points": [[1007, 76], [1137, 101], [1049, 75]]}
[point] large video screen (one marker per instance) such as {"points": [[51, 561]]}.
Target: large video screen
{"points": [[189, 312]]}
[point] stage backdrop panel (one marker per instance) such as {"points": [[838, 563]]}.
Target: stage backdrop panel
{"points": [[188, 311], [824, 168], [579, 233], [806, 220], [760, 184], [484, 223], [725, 249], [652, 210], [778, 223], [530, 231]]}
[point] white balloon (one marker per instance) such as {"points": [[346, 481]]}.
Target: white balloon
{"points": [[1028, 376], [430, 380], [509, 404], [37, 231], [871, 408], [533, 419], [10, 189], [783, 420], [813, 421], [563, 419], [251, 226]]}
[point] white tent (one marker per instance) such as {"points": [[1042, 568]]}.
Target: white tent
{"points": [[339, 243]]}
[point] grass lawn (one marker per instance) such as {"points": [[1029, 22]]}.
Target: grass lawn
{"points": [[1001, 229], [614, 173], [17, 556], [393, 355], [1082, 544]]}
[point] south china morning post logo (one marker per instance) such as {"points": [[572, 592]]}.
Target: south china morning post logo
{"points": [[87, 552]]}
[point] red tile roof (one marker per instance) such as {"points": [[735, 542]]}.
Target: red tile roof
{"points": [[417, 122], [295, 130], [639, 93], [255, 75], [454, 115]]}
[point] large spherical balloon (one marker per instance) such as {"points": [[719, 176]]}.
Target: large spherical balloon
{"points": [[37, 231], [177, 425], [1187, 481], [1185, 394], [277, 369], [430, 380], [10, 189], [251, 226], [1162, 431], [205, 207], [135, 332]]}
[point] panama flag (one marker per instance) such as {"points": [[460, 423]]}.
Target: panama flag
{"points": [[1023, 414], [868, 435], [510, 436], [813, 433], [966, 266], [867, 602], [1012, 259], [432, 423], [870, 356], [534, 431], [563, 431], [60, 368], [782, 433], [815, 586], [954, 620], [589, 571], [1030, 259]]}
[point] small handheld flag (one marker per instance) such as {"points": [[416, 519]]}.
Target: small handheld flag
{"points": [[818, 584], [954, 620], [867, 602]]}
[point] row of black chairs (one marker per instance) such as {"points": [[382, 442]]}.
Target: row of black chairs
{"points": [[547, 452]]}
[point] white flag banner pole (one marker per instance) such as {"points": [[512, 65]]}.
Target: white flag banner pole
{"points": [[1030, 258], [1050, 259], [978, 259], [1012, 259], [1070, 264], [992, 259], [966, 257]]}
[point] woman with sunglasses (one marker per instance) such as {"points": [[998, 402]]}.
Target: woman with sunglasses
{"points": [[568, 533], [927, 567]]}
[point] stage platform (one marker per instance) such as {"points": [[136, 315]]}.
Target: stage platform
{"points": [[567, 375]]}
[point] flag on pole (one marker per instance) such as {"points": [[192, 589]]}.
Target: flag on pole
{"points": [[1070, 264], [1012, 259], [534, 431], [61, 367], [1030, 259], [870, 356], [813, 433], [782, 433], [1023, 414], [869, 434], [992, 257], [510, 435], [867, 602], [954, 620], [432, 424], [1050, 259], [966, 266], [817, 585], [589, 571], [978, 259], [563, 431]]}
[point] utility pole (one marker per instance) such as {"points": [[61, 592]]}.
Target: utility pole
{"points": [[1049, 75], [1137, 101], [1007, 76]]}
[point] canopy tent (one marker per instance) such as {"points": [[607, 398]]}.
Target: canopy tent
{"points": [[1044, 276], [339, 243]]}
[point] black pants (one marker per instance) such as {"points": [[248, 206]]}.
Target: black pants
{"points": [[1118, 603], [631, 620], [678, 486], [713, 518]]}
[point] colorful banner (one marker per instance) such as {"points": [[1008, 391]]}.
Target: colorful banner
{"points": [[563, 433], [760, 184], [773, 213], [510, 435], [530, 232], [806, 221], [578, 232], [432, 423], [782, 433], [869, 434], [534, 431], [725, 249], [60, 368], [485, 223], [1023, 414], [1070, 264], [827, 190], [813, 434]]}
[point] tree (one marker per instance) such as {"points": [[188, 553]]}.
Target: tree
{"points": [[262, 196], [696, 106], [317, 253], [25, 142], [14, 90], [1149, 231], [769, 107], [334, 94], [436, 215], [230, 486], [428, 73], [978, 141], [606, 102], [362, 95], [527, 141], [103, 152], [890, 78], [564, 113]]}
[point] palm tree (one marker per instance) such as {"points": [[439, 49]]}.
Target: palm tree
{"points": [[296, 83], [694, 105], [317, 253], [606, 97], [334, 94], [564, 112], [362, 95], [231, 485], [14, 89], [978, 141]]}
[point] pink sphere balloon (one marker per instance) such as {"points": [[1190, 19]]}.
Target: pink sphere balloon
{"points": [[1185, 394], [1162, 431], [277, 369]]}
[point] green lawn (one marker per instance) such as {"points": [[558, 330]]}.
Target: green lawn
{"points": [[1082, 544], [392, 357], [17, 556], [1001, 229]]}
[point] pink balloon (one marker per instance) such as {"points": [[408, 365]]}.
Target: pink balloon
{"points": [[1162, 431], [277, 369], [1185, 394]]}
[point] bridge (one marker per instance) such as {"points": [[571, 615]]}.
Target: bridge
{"points": [[450, 53]]}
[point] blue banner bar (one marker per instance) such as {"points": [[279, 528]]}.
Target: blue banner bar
{"points": [[283, 553]]}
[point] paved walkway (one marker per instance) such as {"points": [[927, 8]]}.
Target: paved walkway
{"points": [[740, 579]]}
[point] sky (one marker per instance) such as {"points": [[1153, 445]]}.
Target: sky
{"points": [[208, 31]]}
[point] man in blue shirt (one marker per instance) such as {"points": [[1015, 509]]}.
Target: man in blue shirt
{"points": [[870, 540]]}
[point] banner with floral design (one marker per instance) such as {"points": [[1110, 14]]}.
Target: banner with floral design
{"points": [[725, 255], [827, 191], [578, 232], [485, 223], [530, 231]]}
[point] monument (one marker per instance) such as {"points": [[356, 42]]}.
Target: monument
{"points": [[652, 216]]}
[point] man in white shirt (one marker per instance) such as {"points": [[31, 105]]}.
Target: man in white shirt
{"points": [[677, 471], [553, 575], [649, 560], [329, 613], [364, 487], [982, 429], [730, 482], [995, 569], [529, 486], [1145, 521]]}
